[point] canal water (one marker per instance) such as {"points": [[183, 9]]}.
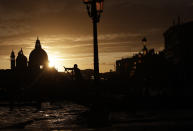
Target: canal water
{"points": [[71, 117], [57, 115]]}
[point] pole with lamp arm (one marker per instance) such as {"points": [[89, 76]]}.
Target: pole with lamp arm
{"points": [[95, 8], [98, 114]]}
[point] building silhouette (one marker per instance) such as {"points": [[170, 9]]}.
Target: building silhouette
{"points": [[179, 52], [38, 60], [21, 61], [126, 67]]}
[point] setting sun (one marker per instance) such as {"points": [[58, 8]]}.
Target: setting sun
{"points": [[52, 62]]}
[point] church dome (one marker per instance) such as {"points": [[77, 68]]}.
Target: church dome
{"points": [[21, 61], [38, 58], [21, 56], [38, 55]]}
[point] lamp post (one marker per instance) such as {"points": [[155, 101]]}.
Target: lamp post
{"points": [[95, 8], [145, 50], [144, 41]]}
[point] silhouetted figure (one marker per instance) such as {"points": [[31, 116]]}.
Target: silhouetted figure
{"points": [[76, 74]]}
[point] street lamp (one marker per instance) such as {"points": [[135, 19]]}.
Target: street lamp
{"points": [[144, 41], [145, 50], [95, 8]]}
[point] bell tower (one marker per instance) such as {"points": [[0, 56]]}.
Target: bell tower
{"points": [[12, 59]]}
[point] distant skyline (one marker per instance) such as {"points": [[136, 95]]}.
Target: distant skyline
{"points": [[65, 30]]}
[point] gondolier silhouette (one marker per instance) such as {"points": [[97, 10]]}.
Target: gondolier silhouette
{"points": [[76, 74]]}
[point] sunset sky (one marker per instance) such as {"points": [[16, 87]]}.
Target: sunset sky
{"points": [[65, 30]]}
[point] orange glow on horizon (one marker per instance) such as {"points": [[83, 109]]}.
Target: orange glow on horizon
{"points": [[52, 62]]}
